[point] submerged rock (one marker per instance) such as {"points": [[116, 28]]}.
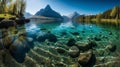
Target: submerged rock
{"points": [[86, 46], [74, 51], [6, 59], [18, 52], [111, 48], [43, 29], [75, 65], [87, 59], [71, 42], [83, 46], [75, 33], [49, 36], [110, 33], [60, 50], [83, 31], [92, 44], [97, 38], [30, 42], [63, 33], [19, 48]]}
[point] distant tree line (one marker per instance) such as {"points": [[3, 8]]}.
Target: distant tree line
{"points": [[13, 7], [109, 14]]}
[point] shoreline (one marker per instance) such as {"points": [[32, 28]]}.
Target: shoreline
{"points": [[113, 21]]}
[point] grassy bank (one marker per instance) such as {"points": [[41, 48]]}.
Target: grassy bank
{"points": [[7, 16]]}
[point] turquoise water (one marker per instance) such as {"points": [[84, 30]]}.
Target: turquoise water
{"points": [[49, 44], [69, 28]]}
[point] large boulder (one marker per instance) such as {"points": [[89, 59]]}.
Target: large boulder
{"points": [[19, 48], [7, 23], [18, 52], [22, 21]]}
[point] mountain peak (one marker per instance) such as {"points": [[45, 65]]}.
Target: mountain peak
{"points": [[27, 15], [48, 12], [76, 13], [48, 7]]}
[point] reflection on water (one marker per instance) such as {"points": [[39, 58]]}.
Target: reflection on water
{"points": [[51, 38]]}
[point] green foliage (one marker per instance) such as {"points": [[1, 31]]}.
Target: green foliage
{"points": [[106, 14], [81, 18], [13, 7], [7, 16], [87, 19], [98, 18], [114, 12], [111, 15]]}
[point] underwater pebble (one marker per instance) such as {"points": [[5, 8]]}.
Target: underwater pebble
{"points": [[43, 29], [71, 42], [74, 51], [75, 65], [87, 59], [59, 64], [60, 50], [111, 48], [92, 44], [74, 33], [82, 46], [110, 33], [63, 33], [83, 31], [97, 38]]}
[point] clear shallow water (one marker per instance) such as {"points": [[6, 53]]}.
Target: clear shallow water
{"points": [[37, 42], [85, 30]]}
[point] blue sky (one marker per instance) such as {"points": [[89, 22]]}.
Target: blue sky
{"points": [[66, 7]]}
